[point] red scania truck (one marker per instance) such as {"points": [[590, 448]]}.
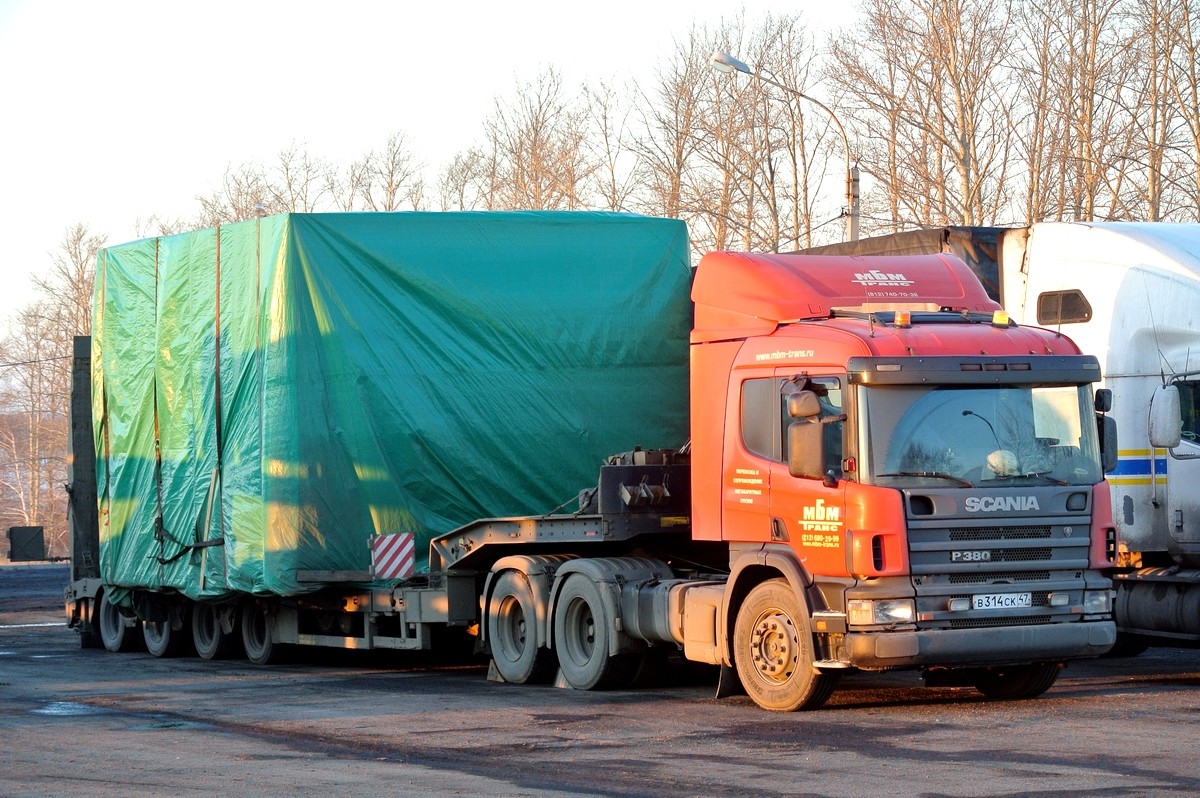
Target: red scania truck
{"points": [[883, 472]]}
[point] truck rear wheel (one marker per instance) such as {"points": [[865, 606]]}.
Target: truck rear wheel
{"points": [[773, 651], [210, 638], [512, 632], [1013, 682], [114, 633], [256, 634], [582, 636]]}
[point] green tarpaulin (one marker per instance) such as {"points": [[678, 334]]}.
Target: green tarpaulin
{"points": [[269, 395]]}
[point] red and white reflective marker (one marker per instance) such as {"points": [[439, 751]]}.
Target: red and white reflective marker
{"points": [[393, 556]]}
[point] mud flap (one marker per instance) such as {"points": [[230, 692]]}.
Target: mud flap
{"points": [[728, 684]]}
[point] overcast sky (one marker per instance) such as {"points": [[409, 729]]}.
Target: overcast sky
{"points": [[115, 111]]}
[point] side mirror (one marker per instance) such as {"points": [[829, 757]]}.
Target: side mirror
{"points": [[1166, 420], [803, 404], [1103, 400], [1107, 427], [806, 448]]}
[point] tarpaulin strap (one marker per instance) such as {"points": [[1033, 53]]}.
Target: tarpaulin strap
{"points": [[187, 548], [198, 544], [202, 531]]}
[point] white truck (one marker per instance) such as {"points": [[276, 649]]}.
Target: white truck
{"points": [[1128, 293]]}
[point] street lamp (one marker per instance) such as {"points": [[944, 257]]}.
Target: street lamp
{"points": [[726, 63]]}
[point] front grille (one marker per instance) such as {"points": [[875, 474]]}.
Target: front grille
{"points": [[1021, 555], [987, 579], [1000, 533], [987, 623], [956, 558]]}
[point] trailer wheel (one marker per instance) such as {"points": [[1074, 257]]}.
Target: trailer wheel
{"points": [[512, 632], [1014, 682], [89, 624], [162, 640], [210, 638], [1128, 645], [773, 651], [582, 634], [256, 634], [114, 632]]}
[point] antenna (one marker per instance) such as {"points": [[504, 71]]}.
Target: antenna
{"points": [[1154, 324]]}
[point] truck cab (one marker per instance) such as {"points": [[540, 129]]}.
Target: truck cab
{"points": [[922, 474]]}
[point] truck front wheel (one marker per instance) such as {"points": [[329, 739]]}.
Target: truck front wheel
{"points": [[774, 653], [1013, 682], [582, 637], [512, 632]]}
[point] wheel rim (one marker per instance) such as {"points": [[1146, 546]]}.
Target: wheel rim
{"points": [[111, 623], [205, 629], [775, 646], [157, 634], [580, 641], [254, 633], [511, 629]]}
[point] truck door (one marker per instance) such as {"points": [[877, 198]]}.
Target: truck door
{"points": [[753, 447], [1183, 473], [808, 513]]}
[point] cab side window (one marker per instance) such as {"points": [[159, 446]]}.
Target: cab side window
{"points": [[1189, 409], [1063, 307], [760, 414], [764, 417], [829, 395]]}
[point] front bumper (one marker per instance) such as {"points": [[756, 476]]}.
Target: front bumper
{"points": [[968, 647]]}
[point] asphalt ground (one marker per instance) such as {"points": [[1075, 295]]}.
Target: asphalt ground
{"points": [[77, 722]]}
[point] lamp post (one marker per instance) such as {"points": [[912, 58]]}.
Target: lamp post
{"points": [[724, 62]]}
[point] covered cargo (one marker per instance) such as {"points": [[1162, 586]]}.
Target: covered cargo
{"points": [[269, 395]]}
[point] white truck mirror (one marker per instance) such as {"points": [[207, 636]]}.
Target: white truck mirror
{"points": [[1165, 419]]}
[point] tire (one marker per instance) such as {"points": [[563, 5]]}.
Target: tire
{"points": [[89, 628], [256, 634], [1128, 645], [582, 636], [1016, 682], [162, 640], [208, 636], [115, 635], [512, 632], [773, 651]]}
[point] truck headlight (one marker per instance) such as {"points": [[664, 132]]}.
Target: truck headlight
{"points": [[1096, 601], [864, 612]]}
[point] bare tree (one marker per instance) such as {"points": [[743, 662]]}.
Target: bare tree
{"points": [[471, 182], [241, 192], [670, 116], [35, 389], [614, 177], [390, 179], [930, 84], [298, 183], [537, 141], [1181, 20]]}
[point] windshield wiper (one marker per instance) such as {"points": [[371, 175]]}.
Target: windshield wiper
{"points": [[1039, 474], [934, 474]]}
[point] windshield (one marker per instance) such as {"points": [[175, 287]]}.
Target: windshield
{"points": [[987, 435]]}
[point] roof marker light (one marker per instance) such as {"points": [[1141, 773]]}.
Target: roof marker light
{"points": [[903, 318], [1000, 318]]}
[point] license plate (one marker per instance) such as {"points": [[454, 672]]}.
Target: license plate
{"points": [[1001, 601]]}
